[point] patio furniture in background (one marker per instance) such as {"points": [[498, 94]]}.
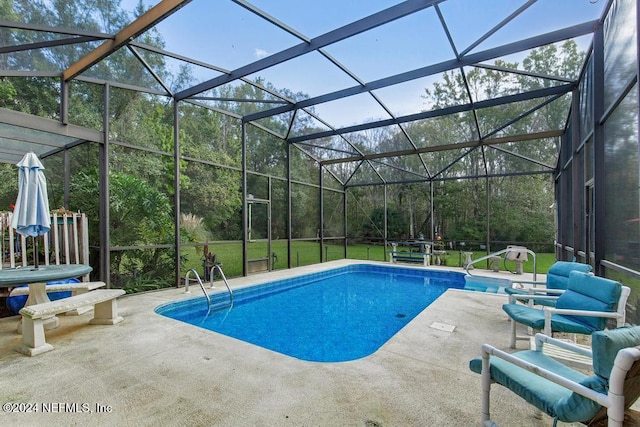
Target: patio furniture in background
{"points": [[416, 251], [37, 279], [468, 262], [33, 338], [585, 307], [56, 289], [67, 242], [517, 254], [556, 282], [18, 296]]}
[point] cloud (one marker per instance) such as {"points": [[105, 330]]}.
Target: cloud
{"points": [[261, 53]]}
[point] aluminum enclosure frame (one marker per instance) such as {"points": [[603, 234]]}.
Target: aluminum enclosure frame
{"points": [[125, 38]]}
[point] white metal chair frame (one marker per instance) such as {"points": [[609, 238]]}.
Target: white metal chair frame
{"points": [[614, 400], [619, 315]]}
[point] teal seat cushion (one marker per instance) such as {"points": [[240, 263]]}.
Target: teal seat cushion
{"points": [[526, 315], [551, 398], [576, 407], [515, 291], [557, 278], [534, 318], [570, 325], [558, 274], [536, 301], [593, 293], [545, 302], [606, 344]]}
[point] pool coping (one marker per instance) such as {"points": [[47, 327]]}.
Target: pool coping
{"points": [[199, 311]]}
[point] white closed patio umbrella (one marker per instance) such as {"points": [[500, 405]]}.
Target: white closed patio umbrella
{"points": [[31, 215]]}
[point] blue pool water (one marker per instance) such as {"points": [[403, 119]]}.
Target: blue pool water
{"points": [[332, 316]]}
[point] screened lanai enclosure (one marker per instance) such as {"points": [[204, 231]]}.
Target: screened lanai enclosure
{"points": [[268, 135]]}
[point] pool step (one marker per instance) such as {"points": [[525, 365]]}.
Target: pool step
{"points": [[485, 284]]}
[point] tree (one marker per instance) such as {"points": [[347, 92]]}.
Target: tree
{"points": [[460, 204], [139, 215], [396, 224]]}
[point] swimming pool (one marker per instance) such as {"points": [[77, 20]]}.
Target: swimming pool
{"points": [[336, 315]]}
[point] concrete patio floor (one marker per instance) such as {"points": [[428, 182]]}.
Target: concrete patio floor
{"points": [[152, 370]]}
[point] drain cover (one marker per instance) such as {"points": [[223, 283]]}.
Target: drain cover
{"points": [[401, 315], [442, 327]]}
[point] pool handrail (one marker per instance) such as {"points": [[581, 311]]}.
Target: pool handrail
{"points": [[504, 251], [186, 285], [199, 280], [224, 279]]}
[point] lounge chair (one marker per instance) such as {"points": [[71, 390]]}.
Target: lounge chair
{"points": [[583, 308], [556, 283], [561, 392]]}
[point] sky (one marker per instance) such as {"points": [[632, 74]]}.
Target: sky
{"points": [[227, 35]]}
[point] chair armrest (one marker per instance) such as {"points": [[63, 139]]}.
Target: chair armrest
{"points": [[528, 282], [548, 311], [488, 351], [541, 291], [570, 312], [547, 291], [541, 339], [526, 297]]}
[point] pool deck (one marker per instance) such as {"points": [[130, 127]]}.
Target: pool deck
{"points": [[150, 370]]}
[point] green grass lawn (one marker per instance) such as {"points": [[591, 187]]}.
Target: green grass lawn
{"points": [[305, 253]]}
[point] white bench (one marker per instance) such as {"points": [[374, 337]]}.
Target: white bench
{"points": [[408, 256], [105, 313], [75, 288]]}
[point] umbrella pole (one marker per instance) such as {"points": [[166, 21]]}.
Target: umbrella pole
{"points": [[36, 255]]}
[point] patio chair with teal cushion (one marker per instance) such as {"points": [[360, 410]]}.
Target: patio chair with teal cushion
{"points": [[585, 307], [556, 283], [562, 392]]}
